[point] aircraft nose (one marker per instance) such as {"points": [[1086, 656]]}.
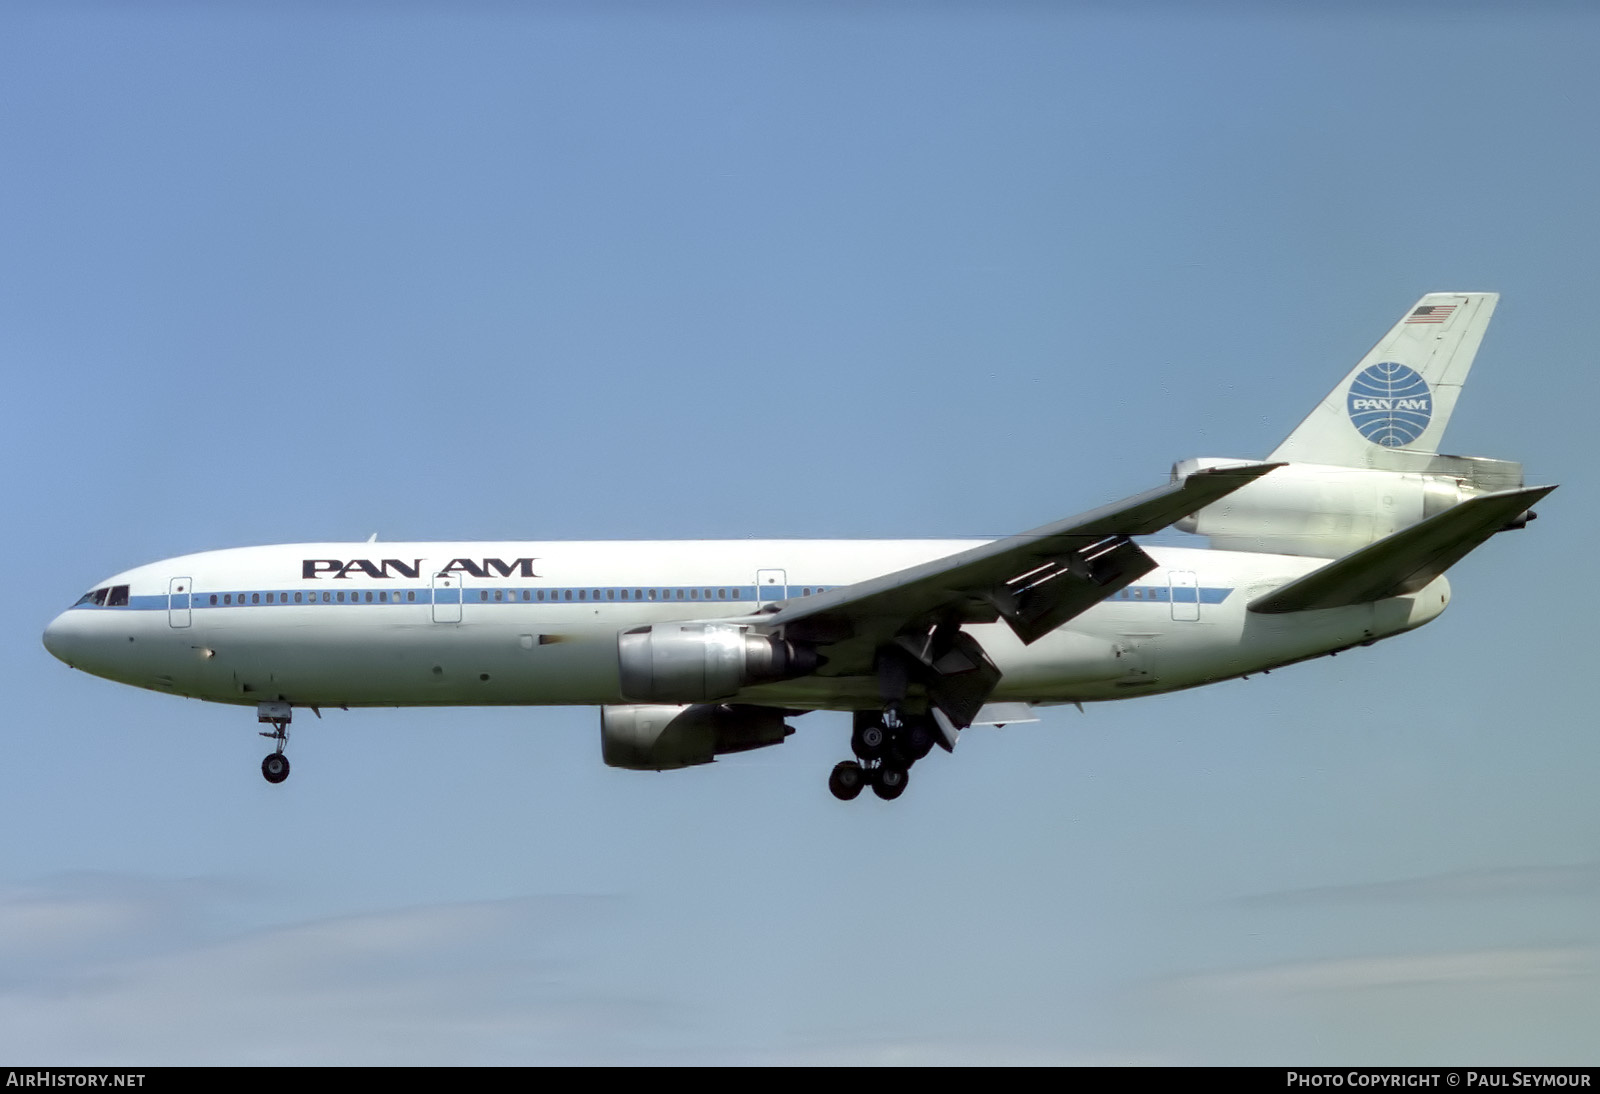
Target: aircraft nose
{"points": [[59, 638]]}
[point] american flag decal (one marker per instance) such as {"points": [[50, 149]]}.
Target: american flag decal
{"points": [[1432, 313]]}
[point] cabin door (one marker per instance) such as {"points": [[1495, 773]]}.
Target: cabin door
{"points": [[447, 598], [1185, 595], [772, 585], [180, 591]]}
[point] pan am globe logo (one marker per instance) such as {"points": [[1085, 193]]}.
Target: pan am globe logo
{"points": [[1390, 404]]}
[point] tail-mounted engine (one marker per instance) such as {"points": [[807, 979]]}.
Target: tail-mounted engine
{"points": [[701, 662], [660, 738], [1327, 512]]}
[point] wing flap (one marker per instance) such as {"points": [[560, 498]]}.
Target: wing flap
{"points": [[1405, 561], [1004, 714], [1038, 602]]}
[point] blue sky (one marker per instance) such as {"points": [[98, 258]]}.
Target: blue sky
{"points": [[277, 273]]}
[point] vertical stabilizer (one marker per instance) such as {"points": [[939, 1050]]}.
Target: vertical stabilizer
{"points": [[1399, 398]]}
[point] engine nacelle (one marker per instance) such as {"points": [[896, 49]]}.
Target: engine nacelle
{"points": [[661, 738], [1326, 512], [701, 662]]}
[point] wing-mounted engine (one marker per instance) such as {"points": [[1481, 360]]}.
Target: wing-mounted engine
{"points": [[1326, 511], [662, 738], [701, 662]]}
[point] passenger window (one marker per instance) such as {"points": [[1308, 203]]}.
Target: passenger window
{"points": [[327, 598], [411, 595], [297, 598], [213, 598], [227, 598], [611, 594], [694, 594], [736, 594]]}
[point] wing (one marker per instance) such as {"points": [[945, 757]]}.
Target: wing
{"points": [[1034, 581], [906, 626]]}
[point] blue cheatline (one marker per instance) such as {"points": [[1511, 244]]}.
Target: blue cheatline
{"points": [[585, 594]]}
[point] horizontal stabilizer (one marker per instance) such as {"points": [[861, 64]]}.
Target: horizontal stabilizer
{"points": [[1404, 562]]}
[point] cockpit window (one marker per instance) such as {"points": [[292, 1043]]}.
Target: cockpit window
{"points": [[118, 597], [94, 596]]}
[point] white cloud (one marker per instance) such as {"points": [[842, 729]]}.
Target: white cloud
{"points": [[949, 1053], [1578, 880], [1475, 968], [490, 981]]}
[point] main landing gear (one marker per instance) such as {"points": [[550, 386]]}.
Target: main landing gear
{"points": [[275, 768], [886, 744]]}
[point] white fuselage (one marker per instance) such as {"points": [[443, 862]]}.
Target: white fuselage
{"points": [[432, 624]]}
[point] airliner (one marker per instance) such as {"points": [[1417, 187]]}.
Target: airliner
{"points": [[692, 650]]}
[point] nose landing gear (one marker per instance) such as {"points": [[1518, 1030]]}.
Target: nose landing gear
{"points": [[277, 714]]}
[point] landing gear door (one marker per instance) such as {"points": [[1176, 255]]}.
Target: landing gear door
{"points": [[1185, 595], [771, 585], [180, 593], [447, 598]]}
